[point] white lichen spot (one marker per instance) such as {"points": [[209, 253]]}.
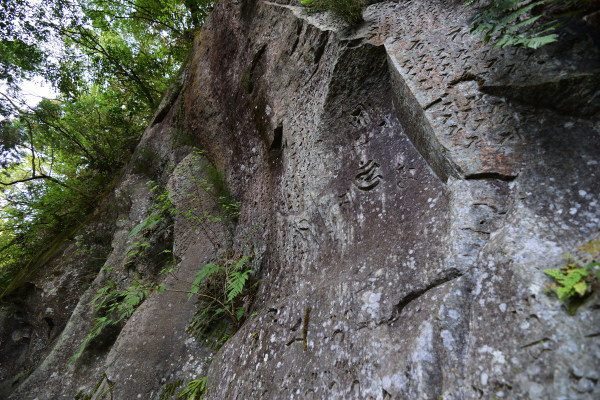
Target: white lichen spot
{"points": [[484, 379], [485, 349], [371, 302], [447, 339], [498, 357], [573, 211]]}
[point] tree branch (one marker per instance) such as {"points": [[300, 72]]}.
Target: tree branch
{"points": [[49, 178]]}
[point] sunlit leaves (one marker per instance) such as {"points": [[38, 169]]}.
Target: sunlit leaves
{"points": [[110, 60], [579, 277]]}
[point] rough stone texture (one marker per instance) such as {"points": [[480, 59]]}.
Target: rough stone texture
{"points": [[152, 349], [34, 315], [409, 185], [409, 207]]}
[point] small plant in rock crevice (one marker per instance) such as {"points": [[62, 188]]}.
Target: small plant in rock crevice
{"points": [[579, 277], [225, 290], [114, 306], [194, 390], [524, 23], [170, 389]]}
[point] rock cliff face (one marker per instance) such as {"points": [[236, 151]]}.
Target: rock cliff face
{"points": [[408, 185]]}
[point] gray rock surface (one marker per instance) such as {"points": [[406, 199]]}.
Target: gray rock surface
{"points": [[408, 184]]}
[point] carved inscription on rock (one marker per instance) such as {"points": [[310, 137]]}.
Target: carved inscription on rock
{"points": [[368, 176]]}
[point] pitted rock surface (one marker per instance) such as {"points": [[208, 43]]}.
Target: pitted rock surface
{"points": [[408, 184]]}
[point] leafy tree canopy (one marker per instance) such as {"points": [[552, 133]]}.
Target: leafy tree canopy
{"points": [[110, 61]]}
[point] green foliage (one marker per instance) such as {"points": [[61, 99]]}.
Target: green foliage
{"points": [[521, 23], [170, 389], [115, 58], [349, 11], [224, 287], [194, 390], [579, 276], [114, 306], [225, 290], [572, 279], [95, 394], [204, 178]]}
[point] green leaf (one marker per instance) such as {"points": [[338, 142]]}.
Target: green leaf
{"points": [[146, 224], [219, 311], [555, 273], [592, 265], [239, 313], [511, 24], [205, 272], [580, 287], [241, 262], [236, 284], [564, 293], [538, 42]]}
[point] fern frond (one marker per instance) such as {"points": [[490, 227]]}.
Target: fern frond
{"points": [[241, 262], [148, 223], [510, 23], [239, 313], [194, 390], [237, 280]]}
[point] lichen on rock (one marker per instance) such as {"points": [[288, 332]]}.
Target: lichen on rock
{"points": [[406, 186]]}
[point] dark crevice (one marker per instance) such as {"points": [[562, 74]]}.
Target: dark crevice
{"points": [[289, 343], [295, 45], [257, 58], [50, 323], [297, 325], [542, 340], [476, 230], [298, 32], [321, 48], [490, 175], [433, 103], [451, 275], [354, 43], [277, 139], [467, 77]]}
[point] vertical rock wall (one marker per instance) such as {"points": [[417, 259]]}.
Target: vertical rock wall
{"points": [[409, 184], [412, 184]]}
